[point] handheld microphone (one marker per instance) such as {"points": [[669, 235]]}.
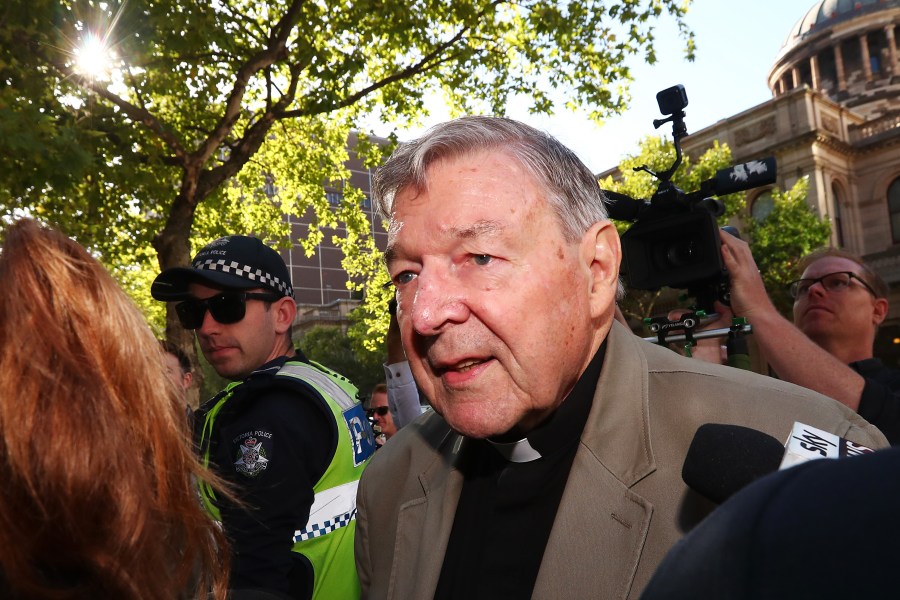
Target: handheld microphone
{"points": [[723, 459]]}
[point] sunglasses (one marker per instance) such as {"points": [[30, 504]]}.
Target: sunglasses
{"points": [[378, 410], [225, 308]]}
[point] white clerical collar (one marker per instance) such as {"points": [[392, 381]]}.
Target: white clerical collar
{"points": [[517, 452]]}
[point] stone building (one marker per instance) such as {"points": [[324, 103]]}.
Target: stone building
{"points": [[834, 116]]}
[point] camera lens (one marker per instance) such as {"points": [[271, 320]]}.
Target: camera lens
{"points": [[683, 252]]}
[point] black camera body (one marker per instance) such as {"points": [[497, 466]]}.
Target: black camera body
{"points": [[674, 241], [677, 250]]}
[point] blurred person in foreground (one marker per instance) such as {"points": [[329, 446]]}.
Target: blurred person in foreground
{"points": [[551, 463], [287, 433], [839, 302], [96, 499], [823, 530]]}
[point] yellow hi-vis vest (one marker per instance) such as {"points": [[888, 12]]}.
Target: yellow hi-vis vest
{"points": [[327, 539]]}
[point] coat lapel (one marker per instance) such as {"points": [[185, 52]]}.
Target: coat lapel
{"points": [[424, 525], [597, 537], [601, 525]]}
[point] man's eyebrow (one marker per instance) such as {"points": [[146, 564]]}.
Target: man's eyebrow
{"points": [[484, 227], [390, 254], [480, 228]]}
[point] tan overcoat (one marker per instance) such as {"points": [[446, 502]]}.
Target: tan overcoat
{"points": [[625, 503]]}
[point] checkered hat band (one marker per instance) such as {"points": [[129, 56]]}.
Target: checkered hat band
{"points": [[246, 272], [314, 530]]}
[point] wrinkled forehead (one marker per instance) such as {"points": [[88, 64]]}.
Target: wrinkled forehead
{"points": [[830, 264]]}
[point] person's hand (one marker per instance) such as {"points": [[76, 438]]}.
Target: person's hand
{"points": [[748, 292]]}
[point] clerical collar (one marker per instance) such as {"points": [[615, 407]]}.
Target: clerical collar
{"points": [[564, 426], [517, 452]]}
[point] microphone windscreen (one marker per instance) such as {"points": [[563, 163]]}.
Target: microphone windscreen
{"points": [[722, 459]]}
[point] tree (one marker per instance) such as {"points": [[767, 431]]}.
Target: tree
{"points": [[217, 117], [658, 154], [783, 237]]}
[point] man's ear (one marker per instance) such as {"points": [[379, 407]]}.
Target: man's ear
{"points": [[879, 310], [602, 253], [285, 310]]}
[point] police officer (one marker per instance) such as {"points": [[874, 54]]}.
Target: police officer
{"points": [[287, 433]]}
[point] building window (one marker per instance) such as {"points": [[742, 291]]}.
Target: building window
{"points": [[894, 209], [334, 198], [762, 206], [366, 202]]}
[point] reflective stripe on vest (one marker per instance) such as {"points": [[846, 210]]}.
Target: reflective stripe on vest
{"points": [[362, 440], [312, 375], [333, 508]]}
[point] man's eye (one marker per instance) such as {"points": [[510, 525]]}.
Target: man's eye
{"points": [[404, 277], [482, 259]]}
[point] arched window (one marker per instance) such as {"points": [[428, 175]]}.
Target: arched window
{"points": [[894, 209], [762, 206], [837, 198]]}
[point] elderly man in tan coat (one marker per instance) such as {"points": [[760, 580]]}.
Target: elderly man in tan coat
{"points": [[550, 467]]}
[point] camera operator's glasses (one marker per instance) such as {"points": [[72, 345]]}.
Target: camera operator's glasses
{"points": [[225, 308], [378, 410], [833, 282]]}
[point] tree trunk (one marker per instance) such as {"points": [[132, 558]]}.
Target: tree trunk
{"points": [[173, 249]]}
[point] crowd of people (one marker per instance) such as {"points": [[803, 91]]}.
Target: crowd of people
{"points": [[548, 465]]}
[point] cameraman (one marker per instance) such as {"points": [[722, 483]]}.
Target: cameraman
{"points": [[839, 303]]}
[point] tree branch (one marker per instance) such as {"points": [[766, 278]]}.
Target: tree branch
{"points": [[426, 63], [276, 50], [136, 113]]}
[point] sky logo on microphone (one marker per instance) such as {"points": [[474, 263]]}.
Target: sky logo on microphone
{"points": [[810, 443]]}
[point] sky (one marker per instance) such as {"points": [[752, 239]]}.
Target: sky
{"points": [[737, 43]]}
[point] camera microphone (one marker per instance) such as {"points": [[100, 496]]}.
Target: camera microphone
{"points": [[623, 208], [740, 178]]}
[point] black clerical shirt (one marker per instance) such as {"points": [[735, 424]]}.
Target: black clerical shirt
{"points": [[506, 509]]}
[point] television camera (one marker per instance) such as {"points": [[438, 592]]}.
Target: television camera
{"points": [[674, 239]]}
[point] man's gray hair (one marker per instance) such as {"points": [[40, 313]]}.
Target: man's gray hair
{"points": [[571, 189]]}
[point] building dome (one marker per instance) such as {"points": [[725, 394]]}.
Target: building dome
{"points": [[828, 13], [847, 50]]}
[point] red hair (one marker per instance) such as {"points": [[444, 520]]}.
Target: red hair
{"points": [[97, 498]]}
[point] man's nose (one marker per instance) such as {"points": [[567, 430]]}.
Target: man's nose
{"points": [[209, 324], [437, 302], [817, 288]]}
